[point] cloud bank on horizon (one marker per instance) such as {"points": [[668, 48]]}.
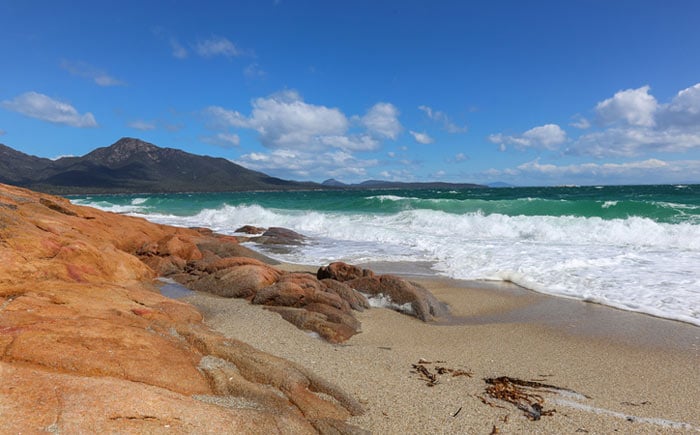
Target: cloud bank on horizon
{"points": [[367, 96]]}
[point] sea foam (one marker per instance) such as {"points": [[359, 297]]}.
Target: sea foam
{"points": [[635, 263]]}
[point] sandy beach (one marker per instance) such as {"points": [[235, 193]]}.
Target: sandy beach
{"points": [[615, 371]]}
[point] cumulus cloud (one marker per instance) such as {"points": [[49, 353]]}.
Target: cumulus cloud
{"points": [[40, 106], [580, 122], [82, 69], [639, 125], [683, 110], [288, 163], [224, 140], [442, 118], [548, 137], [142, 125], [352, 142], [217, 46], [382, 120], [284, 120], [633, 172], [308, 140], [421, 138], [632, 107]]}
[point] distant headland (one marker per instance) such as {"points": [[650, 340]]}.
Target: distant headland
{"points": [[134, 166]]}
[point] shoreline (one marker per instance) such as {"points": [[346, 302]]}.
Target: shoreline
{"points": [[511, 303], [626, 377]]}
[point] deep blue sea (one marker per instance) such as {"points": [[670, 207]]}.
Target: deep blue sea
{"points": [[632, 247]]}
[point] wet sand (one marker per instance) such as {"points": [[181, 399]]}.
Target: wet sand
{"points": [[620, 371]]}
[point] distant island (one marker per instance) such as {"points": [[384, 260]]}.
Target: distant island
{"points": [[134, 166]]}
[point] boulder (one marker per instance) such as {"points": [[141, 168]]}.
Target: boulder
{"points": [[298, 290], [316, 322], [357, 300], [280, 236], [250, 229], [342, 272], [424, 304], [243, 281]]}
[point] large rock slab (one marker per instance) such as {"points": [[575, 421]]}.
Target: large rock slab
{"points": [[88, 345]]}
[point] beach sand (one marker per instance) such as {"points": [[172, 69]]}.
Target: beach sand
{"points": [[622, 372]]}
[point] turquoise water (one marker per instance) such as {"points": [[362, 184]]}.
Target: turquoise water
{"points": [[632, 247], [664, 203]]}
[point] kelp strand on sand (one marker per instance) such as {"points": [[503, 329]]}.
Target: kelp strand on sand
{"points": [[523, 394], [432, 378]]}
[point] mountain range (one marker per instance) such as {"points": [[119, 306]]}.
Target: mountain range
{"points": [[133, 166]]}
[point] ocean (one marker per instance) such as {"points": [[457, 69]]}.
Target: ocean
{"points": [[636, 248]]}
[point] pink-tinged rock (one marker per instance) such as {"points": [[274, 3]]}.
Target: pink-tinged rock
{"points": [[88, 346], [424, 304], [250, 229], [298, 290], [316, 322], [357, 300], [342, 272], [242, 281]]}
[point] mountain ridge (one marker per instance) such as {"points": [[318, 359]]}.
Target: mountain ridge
{"points": [[132, 165]]}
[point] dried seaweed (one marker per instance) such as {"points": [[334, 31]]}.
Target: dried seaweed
{"points": [[432, 378], [520, 393]]}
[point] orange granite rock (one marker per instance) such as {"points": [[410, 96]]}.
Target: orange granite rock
{"points": [[88, 345]]}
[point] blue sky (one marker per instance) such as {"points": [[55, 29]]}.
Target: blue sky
{"points": [[530, 93]]}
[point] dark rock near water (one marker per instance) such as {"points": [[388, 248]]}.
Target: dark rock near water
{"points": [[357, 300], [250, 229], [280, 236], [424, 304]]}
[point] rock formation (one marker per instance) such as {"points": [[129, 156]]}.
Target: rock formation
{"points": [[424, 305], [87, 344]]}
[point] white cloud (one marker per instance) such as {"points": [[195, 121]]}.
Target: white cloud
{"points": [[178, 50], [633, 172], [352, 143], [632, 107], [253, 71], [288, 163], [382, 120], [580, 122], [225, 140], [442, 118], [460, 157], [308, 140], [672, 128], [142, 125], [421, 138], [62, 156], [217, 46], [548, 137], [82, 69], [684, 109], [40, 106], [284, 120]]}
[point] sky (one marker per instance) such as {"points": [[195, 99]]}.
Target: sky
{"points": [[527, 93]]}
